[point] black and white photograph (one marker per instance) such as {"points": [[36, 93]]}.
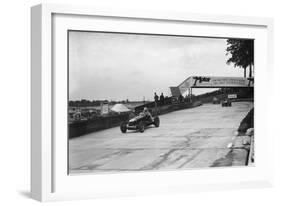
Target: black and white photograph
{"points": [[153, 102]]}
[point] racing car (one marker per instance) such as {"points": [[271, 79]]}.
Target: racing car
{"points": [[139, 123]]}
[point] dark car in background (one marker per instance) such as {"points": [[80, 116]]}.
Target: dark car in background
{"points": [[226, 103]]}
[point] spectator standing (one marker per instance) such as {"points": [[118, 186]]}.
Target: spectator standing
{"points": [[162, 99], [186, 98], [156, 98], [180, 98]]}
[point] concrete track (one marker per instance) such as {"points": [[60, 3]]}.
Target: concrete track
{"points": [[191, 138]]}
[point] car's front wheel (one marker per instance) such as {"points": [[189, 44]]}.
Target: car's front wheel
{"points": [[141, 127], [156, 121], [123, 127]]}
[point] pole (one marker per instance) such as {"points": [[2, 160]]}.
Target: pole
{"points": [[191, 95]]}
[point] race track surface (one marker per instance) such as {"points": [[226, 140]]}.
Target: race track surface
{"points": [[190, 138]]}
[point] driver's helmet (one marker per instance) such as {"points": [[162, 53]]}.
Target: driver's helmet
{"points": [[145, 110]]}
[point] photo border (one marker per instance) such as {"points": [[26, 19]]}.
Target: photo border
{"points": [[42, 85]]}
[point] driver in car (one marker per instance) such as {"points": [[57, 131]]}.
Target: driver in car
{"points": [[147, 113]]}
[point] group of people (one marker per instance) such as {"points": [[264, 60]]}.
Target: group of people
{"points": [[181, 98], [161, 100], [158, 100]]}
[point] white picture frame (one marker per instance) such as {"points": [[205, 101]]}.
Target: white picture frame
{"points": [[49, 178]]}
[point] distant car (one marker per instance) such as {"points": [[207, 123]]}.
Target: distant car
{"points": [[216, 100], [226, 103], [139, 123]]}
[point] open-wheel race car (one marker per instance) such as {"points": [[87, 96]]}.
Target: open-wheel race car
{"points": [[140, 122]]}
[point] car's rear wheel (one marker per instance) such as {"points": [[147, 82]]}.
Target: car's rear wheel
{"points": [[156, 121], [123, 127], [141, 127]]}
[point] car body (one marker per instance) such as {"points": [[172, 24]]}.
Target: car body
{"points": [[139, 123], [226, 103]]}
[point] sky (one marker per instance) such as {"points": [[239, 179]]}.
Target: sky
{"points": [[116, 66]]}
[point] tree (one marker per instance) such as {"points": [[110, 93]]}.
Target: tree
{"points": [[241, 54]]}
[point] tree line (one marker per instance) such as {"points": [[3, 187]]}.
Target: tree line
{"points": [[241, 54]]}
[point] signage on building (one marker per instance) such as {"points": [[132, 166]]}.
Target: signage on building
{"points": [[104, 109], [215, 82], [232, 96]]}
